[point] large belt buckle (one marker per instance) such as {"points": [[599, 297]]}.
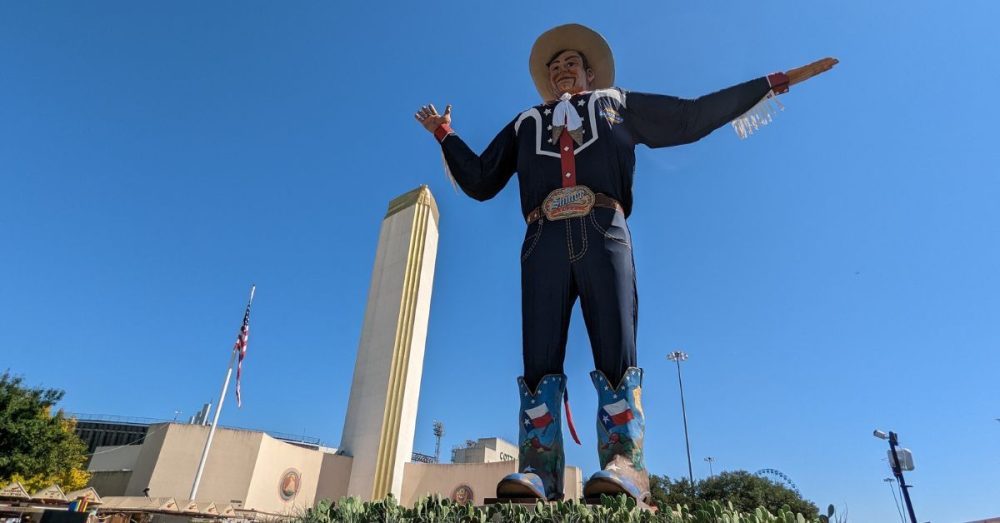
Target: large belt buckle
{"points": [[568, 202]]}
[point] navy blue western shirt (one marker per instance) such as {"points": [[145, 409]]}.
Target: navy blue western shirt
{"points": [[614, 121]]}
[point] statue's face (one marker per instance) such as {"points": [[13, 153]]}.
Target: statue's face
{"points": [[567, 75]]}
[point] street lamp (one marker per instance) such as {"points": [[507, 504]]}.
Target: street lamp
{"points": [[710, 459], [897, 469], [677, 357]]}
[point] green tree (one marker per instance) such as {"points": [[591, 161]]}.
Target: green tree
{"points": [[667, 493], [744, 490], [747, 491], [37, 448]]}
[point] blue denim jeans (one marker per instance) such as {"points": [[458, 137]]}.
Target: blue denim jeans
{"points": [[590, 258]]}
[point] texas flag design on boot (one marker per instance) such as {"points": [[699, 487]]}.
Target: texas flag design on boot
{"points": [[538, 417], [616, 414], [621, 427]]}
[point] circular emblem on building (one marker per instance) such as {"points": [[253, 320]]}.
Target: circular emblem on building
{"points": [[462, 495], [289, 484]]}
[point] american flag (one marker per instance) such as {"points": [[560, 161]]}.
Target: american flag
{"points": [[241, 345]]}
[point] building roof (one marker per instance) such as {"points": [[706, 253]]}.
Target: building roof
{"points": [[88, 494], [14, 490], [166, 505], [203, 507], [421, 195], [50, 493], [139, 504]]}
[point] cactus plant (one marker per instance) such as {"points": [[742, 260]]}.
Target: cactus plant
{"points": [[619, 509]]}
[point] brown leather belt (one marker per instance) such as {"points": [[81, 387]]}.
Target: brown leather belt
{"points": [[600, 200]]}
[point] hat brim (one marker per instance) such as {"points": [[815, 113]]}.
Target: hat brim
{"points": [[578, 38]]}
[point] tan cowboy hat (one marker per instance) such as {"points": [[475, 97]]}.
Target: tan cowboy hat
{"points": [[576, 37]]}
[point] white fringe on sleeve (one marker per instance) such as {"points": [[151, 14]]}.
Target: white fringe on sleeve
{"points": [[758, 116]]}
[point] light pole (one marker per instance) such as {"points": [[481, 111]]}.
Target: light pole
{"points": [[897, 470], [677, 357], [710, 459], [438, 432]]}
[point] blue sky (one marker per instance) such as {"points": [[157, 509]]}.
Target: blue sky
{"points": [[835, 273]]}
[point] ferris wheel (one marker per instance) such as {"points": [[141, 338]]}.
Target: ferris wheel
{"points": [[778, 477]]}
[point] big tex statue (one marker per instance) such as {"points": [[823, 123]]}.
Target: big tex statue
{"points": [[575, 159]]}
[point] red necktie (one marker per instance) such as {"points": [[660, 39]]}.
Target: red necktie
{"points": [[568, 158]]}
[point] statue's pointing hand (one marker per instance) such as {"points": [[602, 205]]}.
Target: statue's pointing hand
{"points": [[801, 74], [430, 119]]}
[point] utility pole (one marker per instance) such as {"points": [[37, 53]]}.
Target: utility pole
{"points": [[710, 459], [677, 357], [895, 500], [897, 470]]}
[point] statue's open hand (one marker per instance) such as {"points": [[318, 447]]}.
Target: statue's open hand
{"points": [[801, 74], [430, 119]]}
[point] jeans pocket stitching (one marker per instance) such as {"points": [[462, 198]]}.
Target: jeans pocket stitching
{"points": [[605, 233], [583, 240], [534, 241]]}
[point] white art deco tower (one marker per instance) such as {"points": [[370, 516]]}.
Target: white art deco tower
{"points": [[382, 410]]}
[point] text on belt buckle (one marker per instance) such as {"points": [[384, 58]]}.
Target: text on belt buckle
{"points": [[568, 202]]}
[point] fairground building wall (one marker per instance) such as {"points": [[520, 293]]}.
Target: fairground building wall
{"points": [[254, 472]]}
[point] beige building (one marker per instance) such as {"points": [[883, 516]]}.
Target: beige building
{"points": [[484, 450], [249, 470], [256, 473]]}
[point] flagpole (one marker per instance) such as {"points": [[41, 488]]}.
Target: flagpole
{"points": [[218, 409]]}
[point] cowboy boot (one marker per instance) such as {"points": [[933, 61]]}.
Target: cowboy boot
{"points": [[540, 445], [621, 425]]}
